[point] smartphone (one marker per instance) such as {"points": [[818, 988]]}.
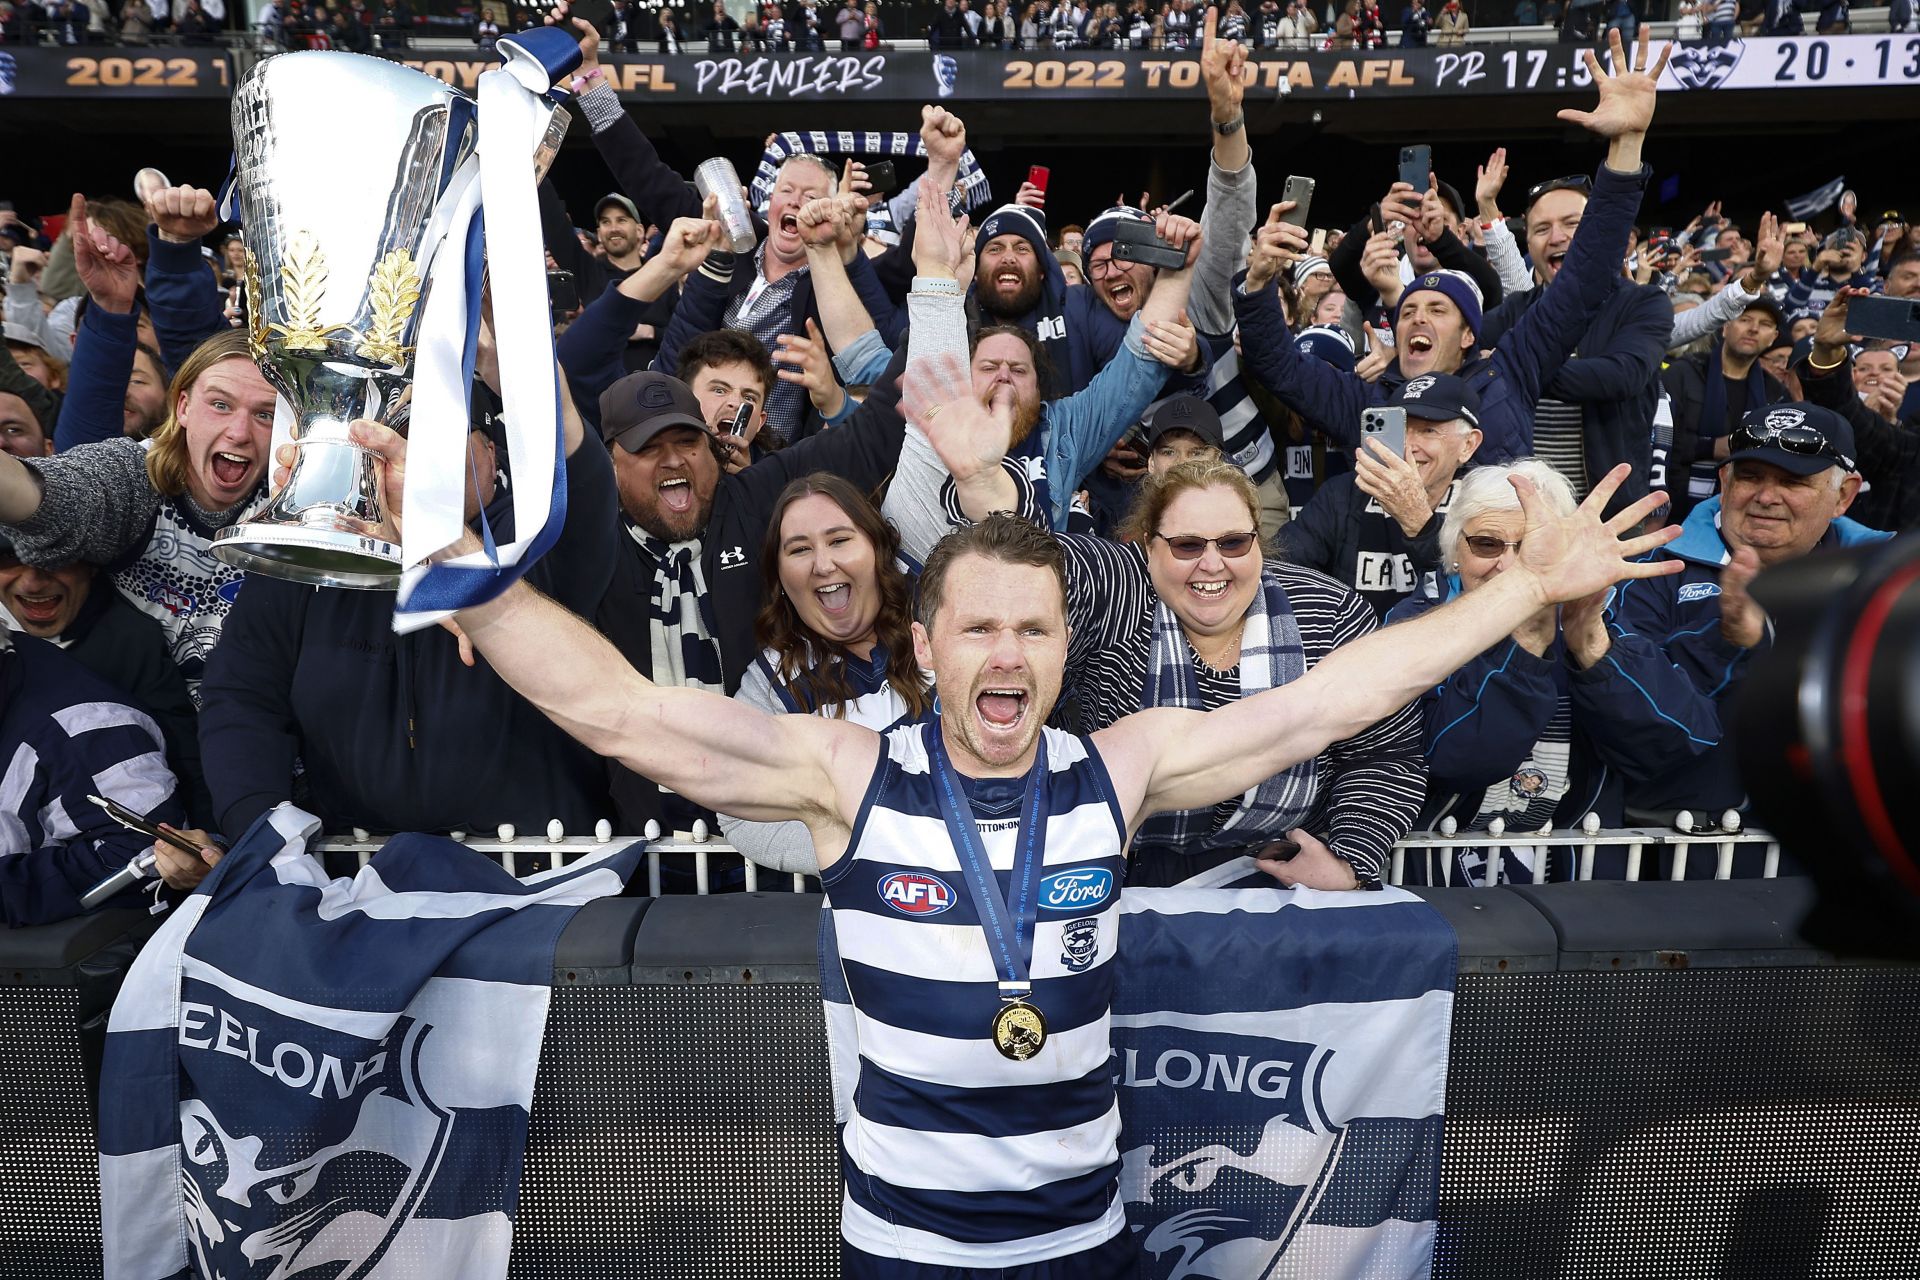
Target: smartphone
{"points": [[1282, 850], [1416, 166], [1895, 318], [1300, 191], [1794, 229], [134, 822], [1388, 425], [562, 291], [1318, 245], [1713, 255], [1038, 176], [881, 177], [1136, 242]]}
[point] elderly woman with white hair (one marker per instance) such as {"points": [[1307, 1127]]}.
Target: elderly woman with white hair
{"points": [[1545, 726]]}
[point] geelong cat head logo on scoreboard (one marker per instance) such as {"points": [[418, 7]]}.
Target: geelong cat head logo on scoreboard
{"points": [[915, 893]]}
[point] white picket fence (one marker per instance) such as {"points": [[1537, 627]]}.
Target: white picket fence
{"points": [[1686, 840]]}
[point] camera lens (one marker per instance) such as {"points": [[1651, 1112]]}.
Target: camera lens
{"points": [[1828, 731]]}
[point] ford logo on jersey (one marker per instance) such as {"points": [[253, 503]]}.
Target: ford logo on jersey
{"points": [[1077, 889], [915, 893]]}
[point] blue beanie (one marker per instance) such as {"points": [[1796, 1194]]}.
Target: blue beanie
{"points": [[1328, 342], [1458, 286], [1100, 230], [1014, 220]]}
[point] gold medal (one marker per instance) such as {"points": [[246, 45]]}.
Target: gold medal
{"points": [[1019, 1030]]}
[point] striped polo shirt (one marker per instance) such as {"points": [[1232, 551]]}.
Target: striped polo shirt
{"points": [[955, 1155]]}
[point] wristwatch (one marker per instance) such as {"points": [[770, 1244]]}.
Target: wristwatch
{"points": [[1232, 126]]}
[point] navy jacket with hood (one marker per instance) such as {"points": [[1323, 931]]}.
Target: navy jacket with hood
{"points": [[1510, 380], [1679, 615], [1481, 722]]}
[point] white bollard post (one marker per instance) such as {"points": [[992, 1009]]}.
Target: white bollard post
{"points": [[603, 832]]}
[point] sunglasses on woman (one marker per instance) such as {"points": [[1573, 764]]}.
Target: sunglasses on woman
{"points": [[1186, 547], [1486, 547]]}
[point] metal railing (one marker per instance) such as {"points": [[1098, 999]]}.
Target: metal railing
{"points": [[1722, 841]]}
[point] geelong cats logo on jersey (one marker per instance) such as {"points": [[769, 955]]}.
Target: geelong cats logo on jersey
{"points": [[266, 1198]]}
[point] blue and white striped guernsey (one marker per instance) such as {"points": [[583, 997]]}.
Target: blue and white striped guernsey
{"points": [[953, 1154]]}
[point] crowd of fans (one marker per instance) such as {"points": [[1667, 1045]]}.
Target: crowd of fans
{"points": [[767, 445], [806, 26]]}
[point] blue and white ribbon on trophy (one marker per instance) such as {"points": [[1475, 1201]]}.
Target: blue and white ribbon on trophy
{"points": [[493, 237]]}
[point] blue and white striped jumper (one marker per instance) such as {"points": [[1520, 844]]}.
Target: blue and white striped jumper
{"points": [[955, 1155]]}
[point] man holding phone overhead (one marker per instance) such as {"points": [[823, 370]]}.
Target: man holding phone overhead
{"points": [[1438, 320]]}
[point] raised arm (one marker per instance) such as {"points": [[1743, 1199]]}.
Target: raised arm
{"points": [[1163, 758], [1229, 213]]}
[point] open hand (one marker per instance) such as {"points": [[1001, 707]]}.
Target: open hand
{"points": [[969, 437], [1488, 179], [939, 238], [1626, 95], [1578, 554], [804, 361]]}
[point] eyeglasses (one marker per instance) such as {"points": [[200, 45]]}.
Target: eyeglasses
{"points": [[1105, 267], [1185, 547], [1576, 182], [1807, 442], [1486, 547]]}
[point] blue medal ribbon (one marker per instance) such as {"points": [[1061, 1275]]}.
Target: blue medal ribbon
{"points": [[1009, 926]]}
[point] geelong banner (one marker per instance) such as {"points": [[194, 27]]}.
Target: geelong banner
{"points": [[1282, 1063], [307, 1076]]}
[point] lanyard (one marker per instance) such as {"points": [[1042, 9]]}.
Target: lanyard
{"points": [[1009, 929]]}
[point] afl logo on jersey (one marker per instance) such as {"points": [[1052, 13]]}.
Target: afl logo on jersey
{"points": [[914, 893]]}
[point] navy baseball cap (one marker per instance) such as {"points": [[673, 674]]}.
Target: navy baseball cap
{"points": [[1800, 438], [1183, 413], [641, 405], [1438, 397]]}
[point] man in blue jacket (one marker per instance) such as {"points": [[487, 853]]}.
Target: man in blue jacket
{"points": [[1784, 491], [1436, 326], [1596, 410]]}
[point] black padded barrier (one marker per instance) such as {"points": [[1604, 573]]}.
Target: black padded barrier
{"points": [[1647, 1082]]}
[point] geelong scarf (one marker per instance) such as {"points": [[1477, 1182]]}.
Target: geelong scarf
{"points": [[1270, 656], [970, 189], [684, 649]]}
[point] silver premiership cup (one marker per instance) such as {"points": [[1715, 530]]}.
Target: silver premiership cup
{"points": [[345, 168]]}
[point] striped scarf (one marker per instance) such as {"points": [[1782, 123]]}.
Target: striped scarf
{"points": [[1270, 656], [684, 650], [970, 189]]}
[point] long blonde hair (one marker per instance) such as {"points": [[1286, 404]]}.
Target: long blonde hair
{"points": [[167, 462]]}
